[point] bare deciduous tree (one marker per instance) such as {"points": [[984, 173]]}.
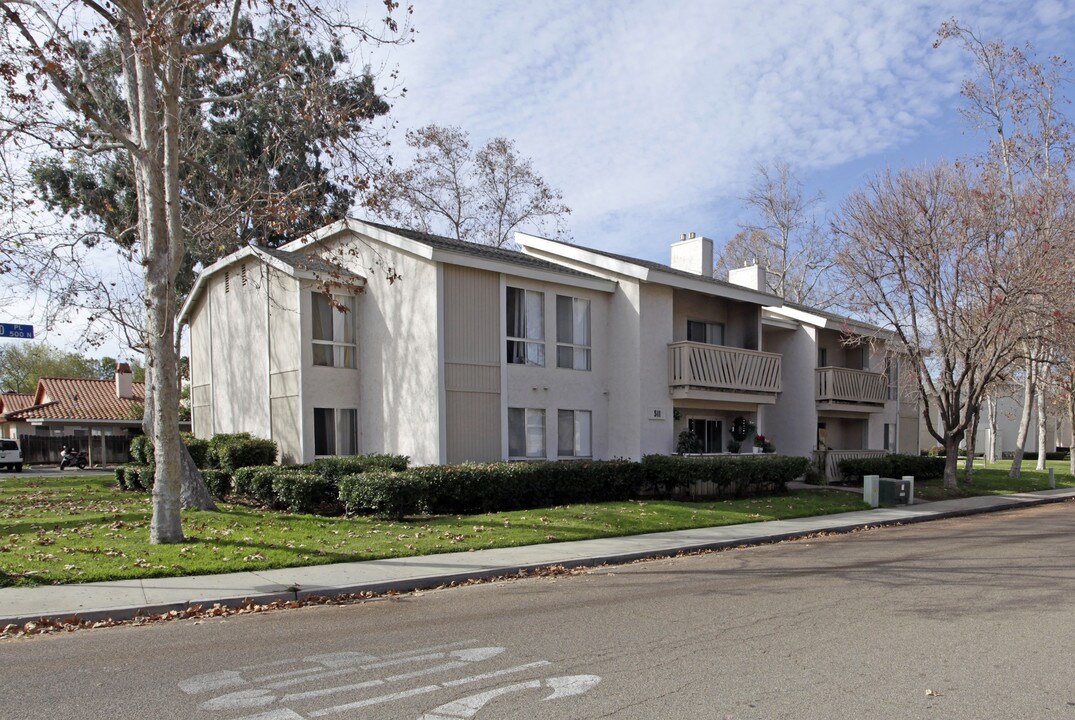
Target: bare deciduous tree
{"points": [[921, 252], [785, 236], [59, 93], [484, 196]]}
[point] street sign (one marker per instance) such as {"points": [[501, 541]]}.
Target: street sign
{"points": [[24, 332]]}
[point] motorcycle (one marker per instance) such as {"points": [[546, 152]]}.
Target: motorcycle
{"points": [[78, 460]]}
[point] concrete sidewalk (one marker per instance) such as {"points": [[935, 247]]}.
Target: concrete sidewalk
{"points": [[126, 598]]}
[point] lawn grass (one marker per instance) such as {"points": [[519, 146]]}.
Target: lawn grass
{"points": [[993, 480], [84, 529]]}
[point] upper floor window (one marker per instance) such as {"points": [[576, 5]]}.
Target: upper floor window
{"points": [[526, 327], [710, 333], [334, 330], [572, 333]]}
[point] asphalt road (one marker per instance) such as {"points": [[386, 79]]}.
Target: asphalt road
{"points": [[966, 618]]}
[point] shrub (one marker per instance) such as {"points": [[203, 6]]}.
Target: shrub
{"points": [[306, 492], [892, 466], [688, 443], [121, 477], [142, 449], [138, 477], [384, 493], [255, 482], [493, 487], [198, 448], [740, 477], [218, 482], [231, 452], [337, 467]]}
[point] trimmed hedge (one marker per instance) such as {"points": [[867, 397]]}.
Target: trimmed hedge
{"points": [[218, 482], [142, 450], [198, 449], [232, 452], [479, 488], [386, 494], [337, 467], [892, 466], [738, 477], [306, 492], [135, 477], [255, 482]]}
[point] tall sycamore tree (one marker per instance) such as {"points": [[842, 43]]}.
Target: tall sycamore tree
{"points": [[58, 92]]}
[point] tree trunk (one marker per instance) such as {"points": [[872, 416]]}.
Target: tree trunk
{"points": [[991, 444], [1071, 425], [194, 495], [1041, 429], [968, 468], [951, 460], [1024, 421]]}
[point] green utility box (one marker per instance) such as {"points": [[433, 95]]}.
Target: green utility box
{"points": [[892, 492]]}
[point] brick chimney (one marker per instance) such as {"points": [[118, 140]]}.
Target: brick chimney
{"points": [[693, 254], [124, 381]]}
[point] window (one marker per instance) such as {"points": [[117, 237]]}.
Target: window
{"points": [[708, 433], [526, 433], [526, 327], [705, 332], [890, 436], [822, 357], [334, 330], [573, 433], [572, 333], [822, 437], [335, 431]]}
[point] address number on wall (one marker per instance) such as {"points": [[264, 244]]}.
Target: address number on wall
{"points": [[657, 414]]}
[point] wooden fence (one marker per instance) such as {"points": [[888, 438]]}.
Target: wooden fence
{"points": [[106, 450]]}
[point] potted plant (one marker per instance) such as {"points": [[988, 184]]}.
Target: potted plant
{"points": [[689, 443], [740, 430]]}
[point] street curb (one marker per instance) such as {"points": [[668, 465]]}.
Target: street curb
{"points": [[299, 593]]}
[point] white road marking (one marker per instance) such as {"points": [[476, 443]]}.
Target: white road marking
{"points": [[468, 707], [471, 655], [211, 681], [375, 700], [243, 699], [496, 673]]}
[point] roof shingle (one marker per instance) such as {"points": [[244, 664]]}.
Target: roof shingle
{"points": [[81, 399]]}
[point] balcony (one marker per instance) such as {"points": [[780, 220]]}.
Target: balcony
{"points": [[700, 371], [850, 390]]}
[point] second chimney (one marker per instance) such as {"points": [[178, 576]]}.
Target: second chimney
{"points": [[693, 254], [124, 381]]}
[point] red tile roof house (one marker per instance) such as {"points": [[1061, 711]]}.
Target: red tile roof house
{"points": [[98, 416]]}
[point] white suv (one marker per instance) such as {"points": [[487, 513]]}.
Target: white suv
{"points": [[11, 455]]}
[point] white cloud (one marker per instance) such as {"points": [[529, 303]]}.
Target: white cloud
{"points": [[651, 115]]}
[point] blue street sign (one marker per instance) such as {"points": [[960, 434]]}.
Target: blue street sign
{"points": [[24, 332]]}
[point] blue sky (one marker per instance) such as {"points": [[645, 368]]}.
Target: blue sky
{"points": [[651, 116]]}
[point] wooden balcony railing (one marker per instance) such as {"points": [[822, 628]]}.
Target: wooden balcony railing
{"points": [[854, 386], [829, 460], [720, 368]]}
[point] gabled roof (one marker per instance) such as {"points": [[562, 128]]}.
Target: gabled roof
{"points": [[10, 402], [81, 399], [645, 270], [478, 250], [300, 265], [831, 320]]}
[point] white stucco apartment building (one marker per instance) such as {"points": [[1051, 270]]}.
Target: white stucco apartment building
{"points": [[450, 351]]}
